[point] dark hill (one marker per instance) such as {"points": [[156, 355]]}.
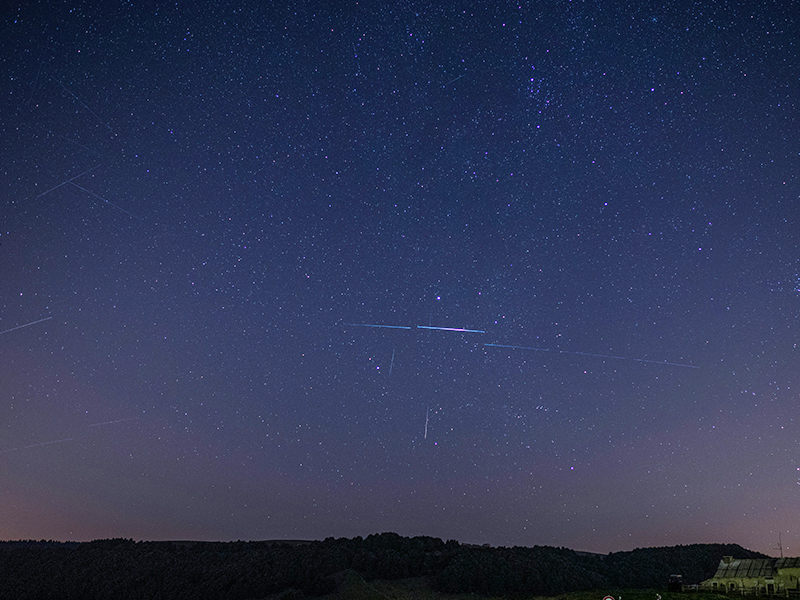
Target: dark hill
{"points": [[124, 569]]}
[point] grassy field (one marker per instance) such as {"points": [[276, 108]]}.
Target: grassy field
{"points": [[355, 588]]}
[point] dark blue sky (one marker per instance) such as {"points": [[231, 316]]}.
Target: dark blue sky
{"points": [[200, 199]]}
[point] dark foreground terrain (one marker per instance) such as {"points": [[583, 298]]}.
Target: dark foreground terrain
{"points": [[379, 566]]}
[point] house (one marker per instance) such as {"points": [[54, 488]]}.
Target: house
{"points": [[756, 576]]}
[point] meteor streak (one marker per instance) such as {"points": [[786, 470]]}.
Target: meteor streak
{"points": [[37, 445], [658, 362], [66, 439], [82, 104], [519, 347], [418, 327], [26, 325], [378, 326], [592, 354], [112, 422], [106, 201], [663, 362], [48, 443], [512, 347], [70, 180], [451, 329]]}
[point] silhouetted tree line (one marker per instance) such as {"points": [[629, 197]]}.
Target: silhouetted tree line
{"points": [[124, 569]]}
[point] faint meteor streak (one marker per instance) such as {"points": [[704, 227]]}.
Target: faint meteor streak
{"points": [[519, 347], [391, 365], [453, 80], [70, 180], [66, 439], [592, 354], [658, 362], [106, 201], [37, 445], [112, 422], [378, 326], [427, 410], [82, 104], [26, 325], [48, 443], [663, 362], [451, 329]]}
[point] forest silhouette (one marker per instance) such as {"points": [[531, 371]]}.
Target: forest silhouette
{"points": [[127, 570]]}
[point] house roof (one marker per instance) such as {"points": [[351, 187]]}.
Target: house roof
{"points": [[746, 567], [788, 563], [755, 567]]}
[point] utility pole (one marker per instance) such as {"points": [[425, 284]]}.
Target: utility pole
{"points": [[780, 545]]}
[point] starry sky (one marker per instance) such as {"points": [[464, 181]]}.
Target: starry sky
{"points": [[575, 222]]}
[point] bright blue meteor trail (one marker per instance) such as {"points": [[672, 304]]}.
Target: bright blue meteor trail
{"points": [[462, 330], [418, 327], [451, 329]]}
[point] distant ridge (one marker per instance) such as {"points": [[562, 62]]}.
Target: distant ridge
{"points": [[120, 568]]}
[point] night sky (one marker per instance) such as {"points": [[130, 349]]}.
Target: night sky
{"points": [[207, 209]]}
